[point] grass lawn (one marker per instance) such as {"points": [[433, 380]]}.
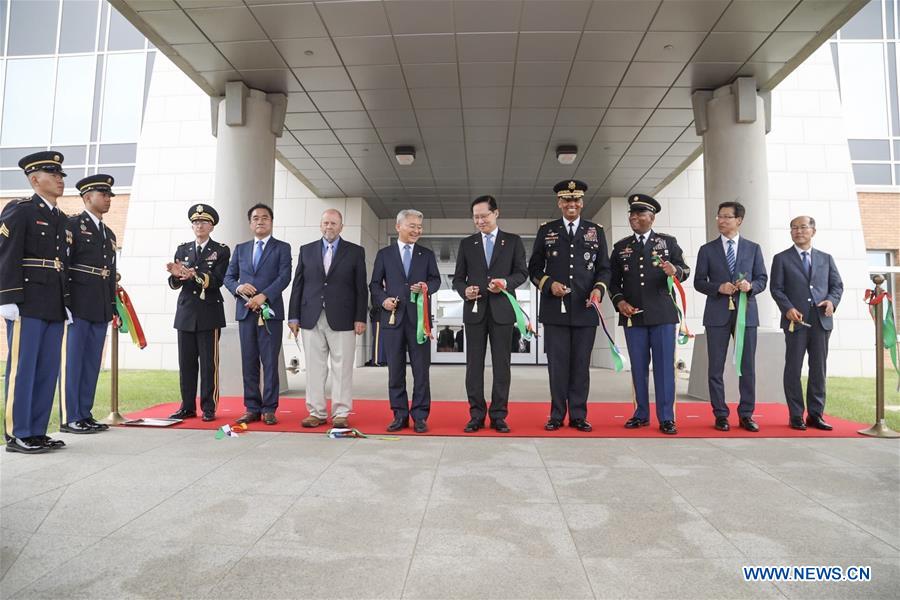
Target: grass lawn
{"points": [[853, 398]]}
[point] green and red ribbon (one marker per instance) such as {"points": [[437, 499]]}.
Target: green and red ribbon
{"points": [[888, 327], [740, 328], [672, 282], [523, 322], [128, 319], [613, 349], [423, 322]]}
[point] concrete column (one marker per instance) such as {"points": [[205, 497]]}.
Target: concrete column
{"points": [[245, 123]]}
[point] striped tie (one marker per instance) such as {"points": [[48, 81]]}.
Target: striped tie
{"points": [[729, 256]]}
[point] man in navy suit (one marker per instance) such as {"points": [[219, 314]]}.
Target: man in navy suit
{"points": [[259, 271], [328, 302], [402, 268], [807, 287], [487, 263], [726, 266]]}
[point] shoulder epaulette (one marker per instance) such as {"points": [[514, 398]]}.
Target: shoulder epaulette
{"points": [[23, 200]]}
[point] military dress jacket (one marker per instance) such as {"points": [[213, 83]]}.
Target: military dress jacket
{"points": [[92, 269], [200, 304]]}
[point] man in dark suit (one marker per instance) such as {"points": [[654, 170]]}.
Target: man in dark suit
{"points": [[445, 340], [259, 271], [641, 266], [92, 298], [34, 300], [726, 266], [487, 263], [328, 304], [570, 267], [399, 269], [807, 287], [198, 270]]}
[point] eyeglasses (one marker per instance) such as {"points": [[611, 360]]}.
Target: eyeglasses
{"points": [[725, 217], [482, 217], [800, 227]]}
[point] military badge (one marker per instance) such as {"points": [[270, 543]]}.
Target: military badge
{"points": [[591, 234], [69, 239], [213, 256], [4, 230], [590, 267], [587, 256], [83, 227]]}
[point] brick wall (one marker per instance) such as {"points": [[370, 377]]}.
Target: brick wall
{"points": [[880, 213]]}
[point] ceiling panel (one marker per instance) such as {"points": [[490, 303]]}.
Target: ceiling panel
{"points": [[420, 16], [436, 75], [545, 73], [354, 18], [423, 98], [688, 15], [486, 97], [608, 45], [385, 99], [754, 15], [309, 52], [497, 15], [486, 74], [251, 55], [488, 47], [423, 49], [350, 137], [597, 73], [286, 21], [330, 101], [588, 97], [536, 97], [370, 50], [377, 77], [231, 24], [621, 15]]}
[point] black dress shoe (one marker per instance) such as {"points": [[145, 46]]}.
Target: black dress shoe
{"points": [[79, 427], [420, 427], [96, 424], [208, 416], [269, 418], [722, 424], [749, 424], [500, 426], [634, 423], [397, 424], [48, 442], [183, 413], [818, 422], [473, 425], [26, 446], [668, 427], [553, 425], [580, 425], [797, 423], [248, 417]]}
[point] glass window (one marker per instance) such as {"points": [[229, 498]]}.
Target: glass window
{"points": [[98, 87], [869, 149], [27, 17], [872, 174], [118, 153], [123, 98], [2, 28], [79, 26], [863, 92], [124, 176], [122, 34], [28, 102], [889, 19], [74, 99], [11, 156], [13, 180], [866, 24], [75, 155]]}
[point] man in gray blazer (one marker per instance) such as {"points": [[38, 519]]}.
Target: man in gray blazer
{"points": [[807, 287]]}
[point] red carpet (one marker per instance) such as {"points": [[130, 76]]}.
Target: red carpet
{"points": [[526, 419]]}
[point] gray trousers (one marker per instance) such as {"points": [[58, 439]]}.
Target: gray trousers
{"points": [[319, 344]]}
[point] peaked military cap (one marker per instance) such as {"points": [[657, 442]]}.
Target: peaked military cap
{"points": [[643, 202], [47, 160], [203, 212], [570, 188], [99, 182]]}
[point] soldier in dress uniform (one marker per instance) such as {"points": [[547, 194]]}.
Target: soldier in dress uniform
{"points": [[34, 246], [92, 292], [641, 265], [198, 270], [570, 267]]}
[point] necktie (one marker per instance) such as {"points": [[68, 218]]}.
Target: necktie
{"points": [[641, 242], [329, 254], [807, 266], [407, 258], [257, 253], [729, 256], [489, 247], [571, 230], [102, 231]]}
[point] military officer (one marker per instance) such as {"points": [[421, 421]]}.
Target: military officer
{"points": [[641, 265], [92, 290], [198, 270], [33, 299], [570, 267]]}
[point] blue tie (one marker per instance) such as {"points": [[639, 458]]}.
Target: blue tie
{"points": [[257, 253], [489, 247], [729, 256], [407, 258], [807, 266]]}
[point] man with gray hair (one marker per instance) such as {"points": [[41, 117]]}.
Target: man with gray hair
{"points": [[405, 274], [328, 303]]}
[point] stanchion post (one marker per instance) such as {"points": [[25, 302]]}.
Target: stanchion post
{"points": [[880, 428], [114, 418]]}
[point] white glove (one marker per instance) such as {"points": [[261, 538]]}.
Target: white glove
{"points": [[9, 312], [69, 319]]}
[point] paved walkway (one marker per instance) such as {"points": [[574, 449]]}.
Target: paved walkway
{"points": [[179, 514]]}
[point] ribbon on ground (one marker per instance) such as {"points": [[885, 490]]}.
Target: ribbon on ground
{"points": [[423, 322], [523, 323], [888, 326], [613, 349], [684, 334], [128, 319], [740, 327]]}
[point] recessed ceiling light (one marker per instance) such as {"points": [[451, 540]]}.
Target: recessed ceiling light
{"points": [[405, 155], [566, 154]]}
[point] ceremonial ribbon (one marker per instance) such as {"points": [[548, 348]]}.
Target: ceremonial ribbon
{"points": [[740, 328], [337, 434], [888, 327], [684, 334], [423, 323], [128, 320], [523, 323], [613, 349]]}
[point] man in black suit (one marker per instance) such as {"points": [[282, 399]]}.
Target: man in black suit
{"points": [[726, 266], [570, 267], [487, 263], [198, 270], [400, 269], [807, 287], [328, 304]]}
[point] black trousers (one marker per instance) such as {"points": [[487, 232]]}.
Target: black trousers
{"points": [[716, 354], [198, 353], [397, 342], [568, 362], [814, 342], [477, 336]]}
